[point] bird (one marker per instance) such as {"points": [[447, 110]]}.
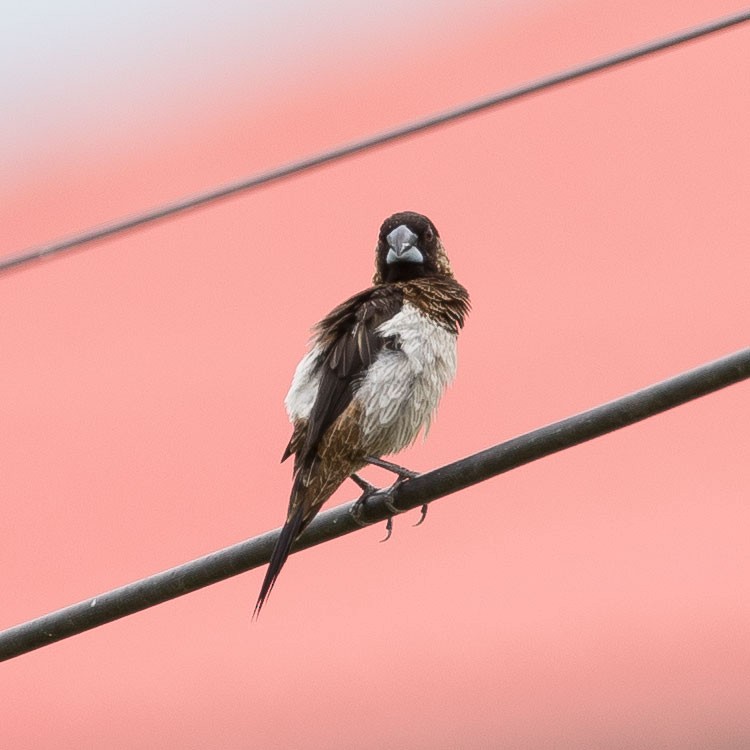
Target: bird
{"points": [[376, 368]]}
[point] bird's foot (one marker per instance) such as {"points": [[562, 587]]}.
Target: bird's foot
{"points": [[402, 474], [368, 490], [388, 529], [356, 511], [358, 508], [391, 507]]}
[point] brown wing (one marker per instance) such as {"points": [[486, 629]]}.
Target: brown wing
{"points": [[350, 344]]}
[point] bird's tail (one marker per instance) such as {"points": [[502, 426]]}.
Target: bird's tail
{"points": [[289, 533]]}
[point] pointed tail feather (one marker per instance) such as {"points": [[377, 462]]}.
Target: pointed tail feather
{"points": [[289, 533]]}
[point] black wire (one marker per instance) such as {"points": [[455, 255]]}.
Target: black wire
{"points": [[187, 204], [338, 521]]}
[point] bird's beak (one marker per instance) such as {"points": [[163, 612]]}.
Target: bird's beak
{"points": [[402, 246]]}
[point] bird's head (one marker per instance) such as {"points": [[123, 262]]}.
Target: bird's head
{"points": [[409, 247]]}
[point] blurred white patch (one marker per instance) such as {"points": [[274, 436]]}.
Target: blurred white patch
{"points": [[78, 72]]}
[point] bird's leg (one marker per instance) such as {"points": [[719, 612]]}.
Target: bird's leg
{"points": [[400, 471], [363, 484], [403, 474]]}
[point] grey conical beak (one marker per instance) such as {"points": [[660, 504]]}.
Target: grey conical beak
{"points": [[402, 246]]}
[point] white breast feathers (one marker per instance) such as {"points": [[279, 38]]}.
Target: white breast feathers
{"points": [[403, 386]]}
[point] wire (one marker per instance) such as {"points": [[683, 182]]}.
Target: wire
{"points": [[338, 521], [186, 204]]}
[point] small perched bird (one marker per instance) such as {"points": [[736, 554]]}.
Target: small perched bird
{"points": [[377, 367]]}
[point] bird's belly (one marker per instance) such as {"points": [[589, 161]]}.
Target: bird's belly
{"points": [[403, 386]]}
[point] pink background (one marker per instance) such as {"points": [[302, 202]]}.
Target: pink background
{"points": [[598, 598]]}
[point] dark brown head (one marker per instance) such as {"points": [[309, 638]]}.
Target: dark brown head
{"points": [[409, 247]]}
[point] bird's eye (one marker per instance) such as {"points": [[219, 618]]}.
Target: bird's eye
{"points": [[429, 235]]}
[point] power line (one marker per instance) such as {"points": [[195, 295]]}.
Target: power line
{"points": [[338, 521], [403, 131]]}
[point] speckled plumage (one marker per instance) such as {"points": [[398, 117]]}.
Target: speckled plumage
{"points": [[375, 372]]}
